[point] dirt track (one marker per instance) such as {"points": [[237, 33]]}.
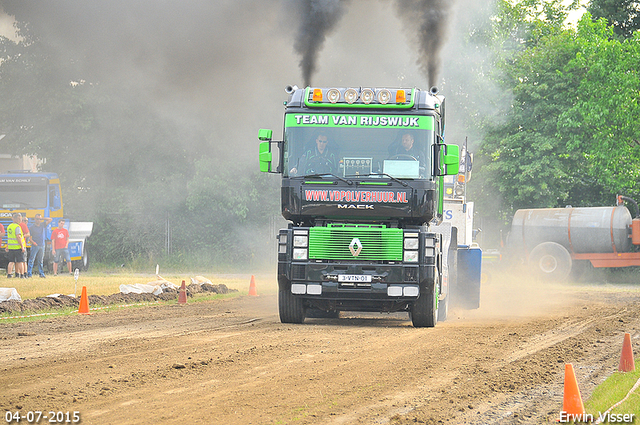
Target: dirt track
{"points": [[232, 362]]}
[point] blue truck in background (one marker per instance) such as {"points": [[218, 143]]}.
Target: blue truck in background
{"points": [[30, 193]]}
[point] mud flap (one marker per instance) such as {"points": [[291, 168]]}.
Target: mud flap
{"points": [[469, 276]]}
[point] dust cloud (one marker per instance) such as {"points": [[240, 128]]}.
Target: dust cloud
{"points": [[515, 293], [220, 67]]}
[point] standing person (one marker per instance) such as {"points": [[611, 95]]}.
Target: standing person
{"points": [[15, 244], [38, 241], [25, 235], [59, 246]]}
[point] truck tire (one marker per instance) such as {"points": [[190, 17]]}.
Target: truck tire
{"points": [[83, 263], [424, 310], [550, 261], [291, 308]]}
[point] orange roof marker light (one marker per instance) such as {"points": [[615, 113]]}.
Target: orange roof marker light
{"points": [[401, 96], [317, 95]]}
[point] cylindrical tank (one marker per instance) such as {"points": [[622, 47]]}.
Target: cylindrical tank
{"points": [[579, 230]]}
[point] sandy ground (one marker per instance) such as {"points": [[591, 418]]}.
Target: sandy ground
{"points": [[232, 361]]}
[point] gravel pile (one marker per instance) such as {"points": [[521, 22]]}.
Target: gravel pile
{"points": [[63, 301]]}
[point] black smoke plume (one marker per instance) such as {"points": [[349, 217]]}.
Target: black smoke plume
{"points": [[427, 19], [317, 19]]}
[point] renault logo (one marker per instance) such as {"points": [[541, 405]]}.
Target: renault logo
{"points": [[355, 247]]}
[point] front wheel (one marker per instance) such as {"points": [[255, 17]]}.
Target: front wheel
{"points": [[424, 311], [550, 261], [291, 308]]}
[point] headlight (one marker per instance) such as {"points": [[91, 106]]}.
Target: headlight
{"points": [[430, 242], [384, 96], [367, 96], [300, 241], [411, 256], [411, 243], [350, 95], [429, 252], [299, 253], [333, 95]]}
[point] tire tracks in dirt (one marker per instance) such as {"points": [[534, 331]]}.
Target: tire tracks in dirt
{"points": [[233, 362]]}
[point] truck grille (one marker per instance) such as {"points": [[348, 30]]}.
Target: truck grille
{"points": [[378, 243]]}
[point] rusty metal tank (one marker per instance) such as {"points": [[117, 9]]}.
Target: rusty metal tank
{"points": [[579, 230]]}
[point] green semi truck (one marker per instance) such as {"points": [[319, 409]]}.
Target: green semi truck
{"points": [[362, 188]]}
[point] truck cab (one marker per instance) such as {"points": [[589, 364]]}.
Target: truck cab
{"points": [[362, 178]]}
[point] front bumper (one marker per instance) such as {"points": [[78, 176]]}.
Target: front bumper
{"points": [[380, 282]]}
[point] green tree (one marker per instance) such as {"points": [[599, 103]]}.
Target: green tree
{"points": [[603, 124], [624, 15], [521, 162], [232, 210], [570, 136]]}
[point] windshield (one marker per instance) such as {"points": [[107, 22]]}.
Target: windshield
{"points": [[23, 196], [358, 145]]}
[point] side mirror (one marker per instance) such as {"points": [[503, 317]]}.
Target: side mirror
{"points": [[451, 159], [265, 156], [265, 135]]}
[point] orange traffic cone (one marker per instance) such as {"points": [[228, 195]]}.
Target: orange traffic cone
{"points": [[182, 294], [626, 358], [572, 402], [84, 302], [252, 287]]}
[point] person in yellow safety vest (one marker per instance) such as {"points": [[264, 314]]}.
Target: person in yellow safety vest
{"points": [[22, 267], [16, 246]]}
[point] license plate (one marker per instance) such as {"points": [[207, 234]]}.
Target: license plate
{"points": [[354, 278]]}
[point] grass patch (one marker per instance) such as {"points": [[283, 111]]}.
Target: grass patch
{"points": [[611, 391], [107, 283], [36, 315]]}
